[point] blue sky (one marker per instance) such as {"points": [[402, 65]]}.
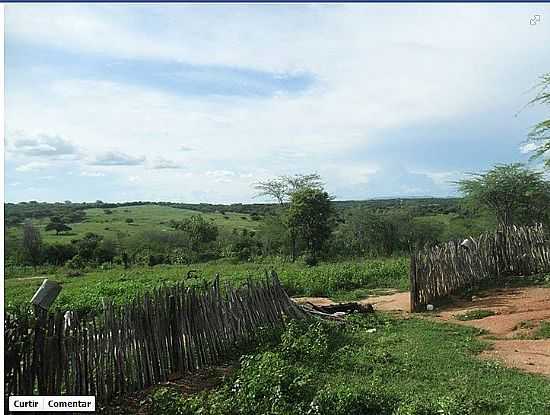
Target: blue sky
{"points": [[197, 102]]}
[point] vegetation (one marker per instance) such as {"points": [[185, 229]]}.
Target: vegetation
{"points": [[84, 292], [163, 234], [543, 331], [31, 244], [540, 133], [475, 315], [513, 193], [411, 366], [310, 216], [319, 247], [58, 225]]}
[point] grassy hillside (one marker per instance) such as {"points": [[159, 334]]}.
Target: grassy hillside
{"points": [[144, 217]]}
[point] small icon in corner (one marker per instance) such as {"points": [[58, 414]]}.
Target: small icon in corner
{"points": [[535, 19]]}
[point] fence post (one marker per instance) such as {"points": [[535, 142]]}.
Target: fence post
{"points": [[38, 348], [412, 274]]}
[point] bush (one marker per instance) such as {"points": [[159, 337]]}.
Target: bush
{"points": [[157, 259], [352, 400], [58, 254], [73, 273], [167, 401], [475, 315], [75, 263], [332, 278], [310, 260]]}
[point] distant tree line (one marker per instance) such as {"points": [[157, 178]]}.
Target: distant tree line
{"points": [[304, 222]]}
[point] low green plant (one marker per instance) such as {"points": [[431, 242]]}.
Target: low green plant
{"points": [[543, 331], [475, 315], [405, 367], [124, 284]]}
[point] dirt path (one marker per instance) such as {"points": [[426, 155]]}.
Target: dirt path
{"points": [[518, 313]]}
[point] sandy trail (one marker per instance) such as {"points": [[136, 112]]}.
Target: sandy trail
{"points": [[519, 311]]}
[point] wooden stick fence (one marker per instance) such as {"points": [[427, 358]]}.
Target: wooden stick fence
{"points": [[166, 333], [440, 271]]}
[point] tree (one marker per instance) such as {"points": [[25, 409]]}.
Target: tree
{"points": [[32, 244], [515, 194], [310, 216], [58, 254], [95, 248], [197, 228], [540, 133], [57, 226], [282, 188]]}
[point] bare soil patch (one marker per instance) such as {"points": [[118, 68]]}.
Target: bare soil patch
{"points": [[519, 311], [528, 355], [187, 384]]}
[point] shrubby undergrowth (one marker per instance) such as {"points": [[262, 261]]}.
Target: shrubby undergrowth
{"points": [[83, 292], [409, 367]]}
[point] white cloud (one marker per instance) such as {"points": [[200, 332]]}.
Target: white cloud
{"points": [[160, 163], [379, 68], [41, 145], [116, 158], [92, 174], [220, 173], [32, 166], [442, 178]]}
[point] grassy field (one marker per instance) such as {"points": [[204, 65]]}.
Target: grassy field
{"points": [[84, 292], [146, 217], [371, 365]]}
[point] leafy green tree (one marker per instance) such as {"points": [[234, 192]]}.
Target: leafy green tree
{"points": [[94, 248], [58, 254], [540, 133], [198, 229], [58, 226], [32, 244], [282, 189], [515, 194], [273, 235], [367, 232], [310, 216]]}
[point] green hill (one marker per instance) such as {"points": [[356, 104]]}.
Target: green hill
{"points": [[111, 222]]}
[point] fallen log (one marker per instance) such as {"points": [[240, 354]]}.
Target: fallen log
{"points": [[343, 308], [336, 311]]}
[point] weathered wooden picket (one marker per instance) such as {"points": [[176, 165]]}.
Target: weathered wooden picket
{"points": [[440, 271], [169, 332]]}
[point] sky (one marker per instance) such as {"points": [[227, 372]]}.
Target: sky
{"points": [[196, 103]]}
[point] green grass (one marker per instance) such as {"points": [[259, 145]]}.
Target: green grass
{"points": [[475, 315], [146, 217], [543, 331], [406, 367], [122, 285]]}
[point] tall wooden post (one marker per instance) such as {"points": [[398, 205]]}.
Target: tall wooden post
{"points": [[414, 295]]}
